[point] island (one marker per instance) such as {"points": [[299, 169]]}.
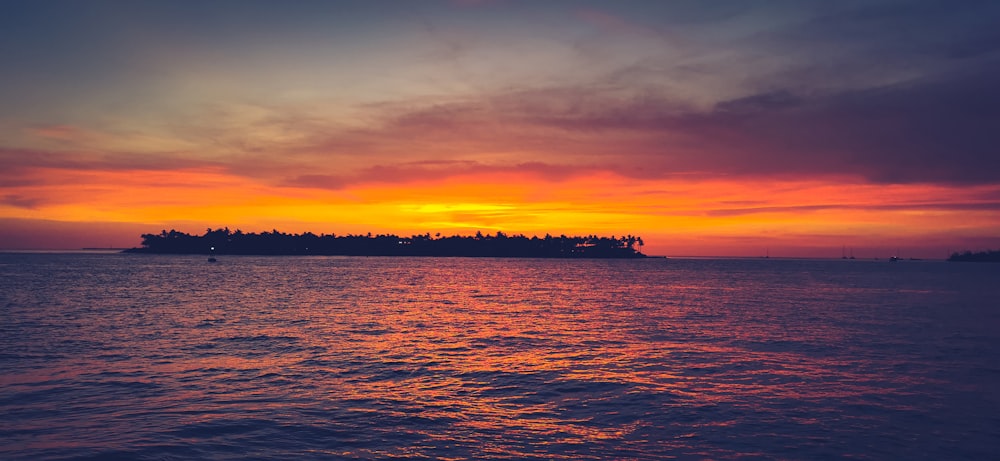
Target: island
{"points": [[225, 242], [988, 256]]}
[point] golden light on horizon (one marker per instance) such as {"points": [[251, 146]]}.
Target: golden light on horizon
{"points": [[586, 120], [798, 212]]}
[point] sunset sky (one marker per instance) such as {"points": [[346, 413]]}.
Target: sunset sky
{"points": [[708, 127]]}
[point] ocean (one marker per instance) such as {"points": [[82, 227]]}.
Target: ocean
{"points": [[147, 357]]}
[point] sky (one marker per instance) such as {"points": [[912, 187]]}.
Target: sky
{"points": [[708, 127]]}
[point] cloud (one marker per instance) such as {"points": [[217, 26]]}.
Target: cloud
{"points": [[919, 131], [798, 209], [899, 30], [935, 129], [431, 170], [775, 100], [939, 129], [614, 24], [892, 92], [20, 201], [15, 162]]}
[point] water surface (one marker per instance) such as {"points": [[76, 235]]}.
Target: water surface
{"points": [[168, 357]]}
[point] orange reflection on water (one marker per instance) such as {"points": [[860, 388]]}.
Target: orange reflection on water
{"points": [[487, 354], [486, 358]]}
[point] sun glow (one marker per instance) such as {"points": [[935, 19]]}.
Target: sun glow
{"points": [[674, 216], [641, 118]]}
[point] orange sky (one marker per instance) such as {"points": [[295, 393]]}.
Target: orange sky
{"points": [[675, 217], [742, 133]]}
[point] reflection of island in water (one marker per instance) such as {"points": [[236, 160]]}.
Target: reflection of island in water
{"points": [[992, 256], [225, 242]]}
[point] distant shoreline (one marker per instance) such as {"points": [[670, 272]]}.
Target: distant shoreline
{"points": [[132, 251], [988, 256], [500, 245]]}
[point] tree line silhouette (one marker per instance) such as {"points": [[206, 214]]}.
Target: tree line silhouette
{"points": [[981, 256], [225, 242]]}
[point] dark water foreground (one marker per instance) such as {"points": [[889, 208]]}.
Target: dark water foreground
{"points": [[169, 357]]}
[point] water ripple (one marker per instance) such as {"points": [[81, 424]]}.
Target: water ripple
{"points": [[156, 357]]}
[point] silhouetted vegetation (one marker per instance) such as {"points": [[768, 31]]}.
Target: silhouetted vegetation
{"points": [[224, 242], [991, 256]]}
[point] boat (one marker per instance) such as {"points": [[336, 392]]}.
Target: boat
{"points": [[211, 256]]}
